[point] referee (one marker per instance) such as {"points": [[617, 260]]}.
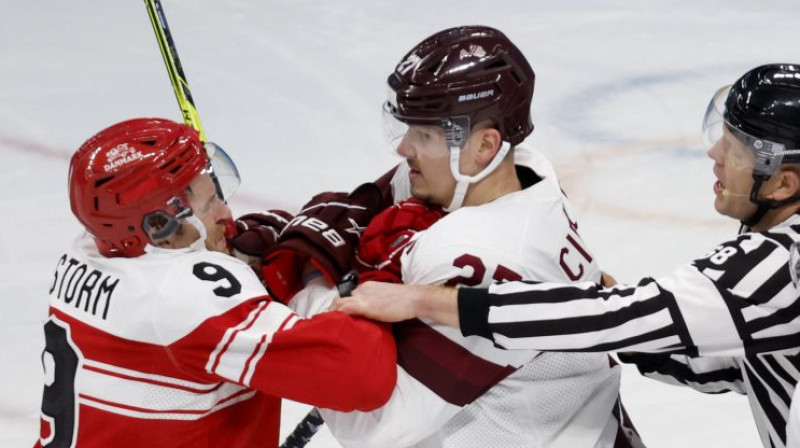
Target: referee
{"points": [[729, 321]]}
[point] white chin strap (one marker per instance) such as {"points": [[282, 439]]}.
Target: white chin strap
{"points": [[199, 243], [463, 182]]}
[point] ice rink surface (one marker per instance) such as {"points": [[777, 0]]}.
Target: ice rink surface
{"points": [[293, 89]]}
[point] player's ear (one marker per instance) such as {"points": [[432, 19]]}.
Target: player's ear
{"points": [[490, 141], [786, 183]]}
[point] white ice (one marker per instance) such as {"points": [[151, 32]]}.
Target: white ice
{"points": [[292, 89]]}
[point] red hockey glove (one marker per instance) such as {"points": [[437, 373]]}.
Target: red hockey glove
{"points": [[326, 233], [378, 257]]}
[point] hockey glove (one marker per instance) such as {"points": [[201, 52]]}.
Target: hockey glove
{"points": [[255, 233], [325, 233], [389, 233]]}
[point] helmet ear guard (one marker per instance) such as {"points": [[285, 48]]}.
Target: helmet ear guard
{"points": [[160, 225]]}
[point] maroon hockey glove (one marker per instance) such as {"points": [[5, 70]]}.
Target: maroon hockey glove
{"points": [[256, 233], [326, 233], [378, 257]]}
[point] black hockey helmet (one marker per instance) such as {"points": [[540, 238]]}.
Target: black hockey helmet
{"points": [[765, 103], [762, 111]]}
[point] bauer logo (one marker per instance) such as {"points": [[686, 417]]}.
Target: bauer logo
{"points": [[120, 155], [475, 96]]}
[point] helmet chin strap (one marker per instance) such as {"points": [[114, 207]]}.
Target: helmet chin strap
{"points": [[199, 243], [764, 205], [463, 181]]}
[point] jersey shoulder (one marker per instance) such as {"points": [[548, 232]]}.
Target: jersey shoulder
{"points": [[135, 298], [523, 235], [199, 286]]}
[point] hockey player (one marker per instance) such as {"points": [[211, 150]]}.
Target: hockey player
{"points": [[459, 105], [728, 321], [154, 340]]}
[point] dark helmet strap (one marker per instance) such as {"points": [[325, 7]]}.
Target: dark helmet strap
{"points": [[764, 205]]}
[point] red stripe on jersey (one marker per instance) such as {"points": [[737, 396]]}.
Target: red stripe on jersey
{"points": [[151, 381], [443, 366], [97, 345], [233, 336], [251, 357], [258, 349], [250, 423], [165, 411]]}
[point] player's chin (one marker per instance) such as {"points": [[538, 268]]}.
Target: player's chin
{"points": [[217, 243]]}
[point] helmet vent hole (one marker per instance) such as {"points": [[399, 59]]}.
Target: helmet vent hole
{"points": [[433, 69], [148, 142], [496, 64], [100, 182]]}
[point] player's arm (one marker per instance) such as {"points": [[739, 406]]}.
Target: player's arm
{"points": [[701, 309], [439, 371], [736, 300], [223, 326], [710, 375]]}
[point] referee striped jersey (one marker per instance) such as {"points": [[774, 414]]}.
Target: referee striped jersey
{"points": [[737, 307]]}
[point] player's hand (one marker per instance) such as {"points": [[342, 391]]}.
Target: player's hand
{"points": [[388, 234], [390, 302], [607, 280], [326, 232], [256, 233], [385, 302]]}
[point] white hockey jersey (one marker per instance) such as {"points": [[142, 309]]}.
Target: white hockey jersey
{"points": [[454, 391], [182, 348]]}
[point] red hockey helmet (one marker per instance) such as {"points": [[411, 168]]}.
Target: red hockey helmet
{"points": [[465, 75], [129, 171]]}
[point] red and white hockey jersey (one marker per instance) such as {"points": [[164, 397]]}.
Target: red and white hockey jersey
{"points": [[454, 391], [182, 348]]}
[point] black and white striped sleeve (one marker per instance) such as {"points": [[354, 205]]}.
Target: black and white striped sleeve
{"points": [[738, 299], [711, 375]]}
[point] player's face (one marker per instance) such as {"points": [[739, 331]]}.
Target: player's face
{"points": [[428, 155], [733, 167], [211, 210]]}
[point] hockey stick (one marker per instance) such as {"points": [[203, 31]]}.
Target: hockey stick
{"points": [[304, 430], [311, 423], [176, 76]]}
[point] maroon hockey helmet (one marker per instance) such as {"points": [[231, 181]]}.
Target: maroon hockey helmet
{"points": [[471, 71], [130, 171]]}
